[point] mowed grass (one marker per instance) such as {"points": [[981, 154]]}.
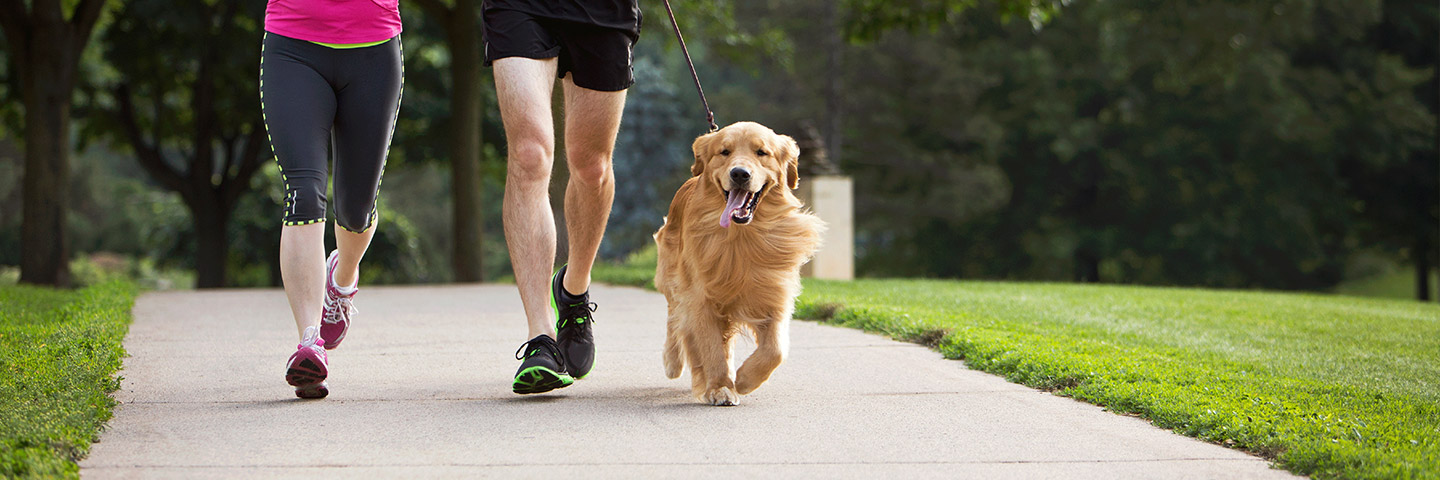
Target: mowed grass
{"points": [[1329, 386], [59, 351]]}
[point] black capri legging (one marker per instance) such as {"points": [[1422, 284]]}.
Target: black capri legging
{"points": [[315, 97]]}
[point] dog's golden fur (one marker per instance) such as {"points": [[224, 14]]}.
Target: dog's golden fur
{"points": [[721, 281]]}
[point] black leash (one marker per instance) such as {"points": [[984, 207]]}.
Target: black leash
{"points": [[709, 115]]}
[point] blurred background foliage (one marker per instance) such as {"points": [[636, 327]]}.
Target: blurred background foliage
{"points": [[1284, 144]]}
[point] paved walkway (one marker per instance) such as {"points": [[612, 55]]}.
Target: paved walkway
{"points": [[421, 388]]}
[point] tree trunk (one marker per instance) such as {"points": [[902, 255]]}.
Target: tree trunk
{"points": [[212, 246], [1087, 218], [1423, 282], [833, 99], [49, 77], [465, 143], [1422, 270], [1087, 266]]}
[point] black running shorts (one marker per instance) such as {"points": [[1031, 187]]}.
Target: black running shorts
{"points": [[598, 58], [319, 101]]}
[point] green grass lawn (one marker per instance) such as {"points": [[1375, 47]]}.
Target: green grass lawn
{"points": [[59, 351], [1328, 386]]}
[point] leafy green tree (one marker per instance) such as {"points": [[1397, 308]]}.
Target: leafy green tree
{"points": [[460, 21], [1399, 197], [186, 103], [1200, 149], [869, 19], [43, 50], [1113, 141]]}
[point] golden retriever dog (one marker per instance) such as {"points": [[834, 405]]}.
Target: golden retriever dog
{"points": [[729, 259]]}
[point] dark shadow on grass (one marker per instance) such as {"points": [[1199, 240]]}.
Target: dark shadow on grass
{"points": [[930, 337], [823, 312]]}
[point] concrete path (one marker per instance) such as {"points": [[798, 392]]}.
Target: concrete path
{"points": [[421, 388]]}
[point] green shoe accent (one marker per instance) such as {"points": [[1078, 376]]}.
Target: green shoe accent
{"points": [[555, 302], [539, 379], [541, 369]]}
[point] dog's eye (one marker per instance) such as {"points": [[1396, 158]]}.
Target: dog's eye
{"points": [[725, 152], [761, 152]]}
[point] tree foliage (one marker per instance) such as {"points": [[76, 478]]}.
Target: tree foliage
{"points": [[44, 41], [200, 134], [869, 19], [1232, 144], [1222, 144]]}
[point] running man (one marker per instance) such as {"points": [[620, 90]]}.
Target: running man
{"points": [[331, 76], [587, 44]]}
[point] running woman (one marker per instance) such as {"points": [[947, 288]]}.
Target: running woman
{"points": [[330, 78], [587, 44]]}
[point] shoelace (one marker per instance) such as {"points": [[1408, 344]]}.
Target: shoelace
{"points": [[311, 337], [338, 304], [577, 312], [554, 349]]}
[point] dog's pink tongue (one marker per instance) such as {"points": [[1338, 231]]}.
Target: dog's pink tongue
{"points": [[733, 203]]}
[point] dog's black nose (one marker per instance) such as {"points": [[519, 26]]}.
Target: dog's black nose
{"points": [[740, 176]]}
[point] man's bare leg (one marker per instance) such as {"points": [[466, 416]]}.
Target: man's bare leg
{"points": [[524, 86], [592, 121]]}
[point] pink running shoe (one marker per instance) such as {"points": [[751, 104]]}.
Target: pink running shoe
{"points": [[308, 366], [335, 318]]}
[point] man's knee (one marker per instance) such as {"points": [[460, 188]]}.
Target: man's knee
{"points": [[530, 161], [592, 169]]}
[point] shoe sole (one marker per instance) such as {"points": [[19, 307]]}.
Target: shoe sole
{"points": [[316, 391], [308, 379], [540, 380]]}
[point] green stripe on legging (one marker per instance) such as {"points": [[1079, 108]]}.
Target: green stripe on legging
{"points": [[350, 45]]}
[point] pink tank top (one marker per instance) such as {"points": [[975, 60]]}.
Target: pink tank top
{"points": [[334, 21]]}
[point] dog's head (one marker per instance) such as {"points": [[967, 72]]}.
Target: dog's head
{"points": [[744, 161]]}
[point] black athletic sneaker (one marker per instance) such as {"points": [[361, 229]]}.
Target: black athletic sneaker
{"points": [[541, 367], [572, 326]]}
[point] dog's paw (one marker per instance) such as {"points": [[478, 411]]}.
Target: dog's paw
{"points": [[674, 361], [672, 368], [722, 397]]}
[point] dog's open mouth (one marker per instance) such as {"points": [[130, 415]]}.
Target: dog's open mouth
{"points": [[739, 206]]}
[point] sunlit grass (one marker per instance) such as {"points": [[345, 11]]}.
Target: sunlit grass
{"points": [[1329, 386], [59, 351]]}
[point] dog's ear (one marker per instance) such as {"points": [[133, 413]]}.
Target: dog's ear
{"points": [[790, 154], [701, 148]]}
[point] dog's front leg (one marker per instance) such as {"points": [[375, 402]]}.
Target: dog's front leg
{"points": [[772, 341], [712, 372], [674, 354]]}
